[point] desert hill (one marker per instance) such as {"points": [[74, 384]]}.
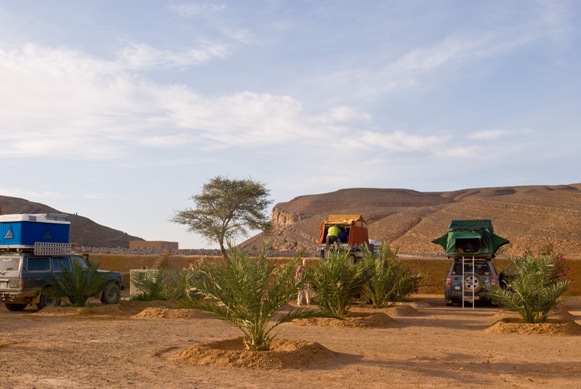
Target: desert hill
{"points": [[535, 218], [83, 231]]}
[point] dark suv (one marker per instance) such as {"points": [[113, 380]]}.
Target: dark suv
{"points": [[25, 275], [471, 281]]}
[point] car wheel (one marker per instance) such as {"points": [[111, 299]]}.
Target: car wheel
{"points": [[48, 301], [472, 282], [111, 293], [15, 307]]}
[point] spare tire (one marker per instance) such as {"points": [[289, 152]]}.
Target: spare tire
{"points": [[472, 282]]}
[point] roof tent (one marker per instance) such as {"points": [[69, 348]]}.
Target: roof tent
{"points": [[24, 230], [352, 224], [474, 238]]}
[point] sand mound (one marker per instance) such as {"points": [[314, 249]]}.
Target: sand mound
{"points": [[95, 311], [284, 354], [353, 319], [167, 313], [553, 327], [403, 311], [123, 308], [561, 314]]}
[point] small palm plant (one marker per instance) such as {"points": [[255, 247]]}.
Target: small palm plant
{"points": [[78, 283], [337, 281], [247, 292], [535, 289], [389, 280], [162, 284], [153, 284]]}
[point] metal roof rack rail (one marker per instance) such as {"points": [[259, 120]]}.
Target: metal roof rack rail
{"points": [[50, 248]]}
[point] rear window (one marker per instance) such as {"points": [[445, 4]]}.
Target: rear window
{"points": [[9, 263], [38, 264], [481, 268]]}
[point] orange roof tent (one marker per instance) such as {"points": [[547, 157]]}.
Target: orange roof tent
{"points": [[354, 225]]}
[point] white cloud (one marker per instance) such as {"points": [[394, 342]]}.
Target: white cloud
{"points": [[138, 56], [194, 9], [399, 141], [88, 108], [344, 113], [490, 135], [430, 62]]}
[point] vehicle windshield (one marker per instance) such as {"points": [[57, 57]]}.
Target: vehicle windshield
{"points": [[9, 264]]}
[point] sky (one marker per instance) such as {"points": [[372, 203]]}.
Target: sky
{"points": [[120, 111]]}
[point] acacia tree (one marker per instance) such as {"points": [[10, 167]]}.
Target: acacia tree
{"points": [[226, 209]]}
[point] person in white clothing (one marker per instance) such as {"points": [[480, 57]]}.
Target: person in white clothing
{"points": [[300, 275]]}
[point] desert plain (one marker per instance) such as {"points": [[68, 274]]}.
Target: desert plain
{"points": [[420, 343]]}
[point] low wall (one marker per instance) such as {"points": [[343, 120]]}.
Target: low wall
{"points": [[433, 270]]}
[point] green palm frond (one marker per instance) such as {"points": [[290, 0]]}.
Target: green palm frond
{"points": [[533, 291], [337, 281], [78, 283], [248, 292], [390, 280]]}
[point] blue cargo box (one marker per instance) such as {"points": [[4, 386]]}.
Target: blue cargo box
{"points": [[23, 230]]}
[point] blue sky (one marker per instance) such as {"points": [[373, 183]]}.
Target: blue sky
{"points": [[121, 110]]}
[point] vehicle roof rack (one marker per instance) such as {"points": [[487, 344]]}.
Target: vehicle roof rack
{"points": [[50, 248]]}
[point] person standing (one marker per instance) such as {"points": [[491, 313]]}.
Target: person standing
{"points": [[332, 236], [300, 275]]}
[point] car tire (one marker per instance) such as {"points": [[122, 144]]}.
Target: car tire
{"points": [[15, 307], [111, 293], [472, 282], [48, 301]]}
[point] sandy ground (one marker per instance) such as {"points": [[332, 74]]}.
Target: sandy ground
{"points": [[418, 344]]}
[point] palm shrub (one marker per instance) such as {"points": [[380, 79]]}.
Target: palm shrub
{"points": [[535, 288], [78, 283], [247, 292], [184, 280], [337, 281], [154, 284], [163, 284], [389, 279]]}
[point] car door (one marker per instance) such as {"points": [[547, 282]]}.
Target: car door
{"points": [[38, 272]]}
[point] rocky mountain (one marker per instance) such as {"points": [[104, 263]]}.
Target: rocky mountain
{"points": [[83, 231], [535, 218]]}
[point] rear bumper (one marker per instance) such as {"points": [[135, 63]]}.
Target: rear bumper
{"points": [[482, 295]]}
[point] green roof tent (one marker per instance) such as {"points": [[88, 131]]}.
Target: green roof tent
{"points": [[470, 238]]}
